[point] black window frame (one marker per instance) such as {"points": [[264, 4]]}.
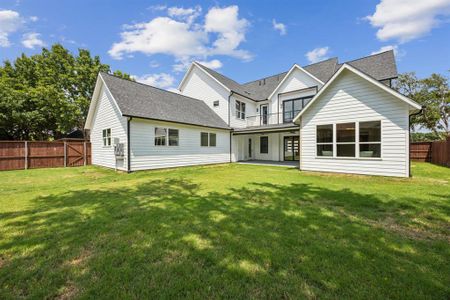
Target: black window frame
{"points": [[322, 144], [264, 147], [294, 112]]}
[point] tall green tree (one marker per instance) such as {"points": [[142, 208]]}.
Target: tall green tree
{"points": [[47, 95], [434, 94]]}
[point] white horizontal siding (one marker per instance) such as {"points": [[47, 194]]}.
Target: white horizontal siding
{"points": [[351, 99], [145, 155], [201, 86], [107, 115], [297, 80]]}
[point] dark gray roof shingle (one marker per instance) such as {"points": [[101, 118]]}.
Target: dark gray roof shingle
{"points": [[380, 66], [139, 100]]}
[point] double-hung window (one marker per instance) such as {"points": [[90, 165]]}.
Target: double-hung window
{"points": [[164, 136], [324, 140], [208, 139], [345, 140], [370, 139], [106, 137], [240, 110]]}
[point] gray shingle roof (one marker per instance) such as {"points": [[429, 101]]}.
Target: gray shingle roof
{"points": [[380, 66], [139, 100]]}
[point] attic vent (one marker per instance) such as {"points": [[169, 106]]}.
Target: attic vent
{"points": [[216, 103]]}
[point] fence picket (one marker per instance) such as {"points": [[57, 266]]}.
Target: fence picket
{"points": [[17, 155]]}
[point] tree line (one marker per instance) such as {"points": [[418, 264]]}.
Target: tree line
{"points": [[433, 94], [47, 95]]}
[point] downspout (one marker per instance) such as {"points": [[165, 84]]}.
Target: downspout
{"points": [[128, 145], [409, 138], [229, 121]]}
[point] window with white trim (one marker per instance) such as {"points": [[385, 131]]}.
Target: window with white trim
{"points": [[324, 140], [345, 143], [208, 139], [166, 136], [173, 137], [345, 139], [370, 139], [240, 110], [106, 137]]}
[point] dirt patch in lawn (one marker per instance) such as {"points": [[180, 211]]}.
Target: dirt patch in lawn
{"points": [[68, 292]]}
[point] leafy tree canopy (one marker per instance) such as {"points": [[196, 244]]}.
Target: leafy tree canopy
{"points": [[434, 94], [47, 95]]}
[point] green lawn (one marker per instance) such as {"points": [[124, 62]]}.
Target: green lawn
{"points": [[229, 231]]}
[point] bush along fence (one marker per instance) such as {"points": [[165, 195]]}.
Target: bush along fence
{"points": [[435, 152], [16, 155]]}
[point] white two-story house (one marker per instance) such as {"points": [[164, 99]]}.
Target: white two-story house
{"points": [[328, 116]]}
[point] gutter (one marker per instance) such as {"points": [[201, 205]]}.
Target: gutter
{"points": [[409, 137]]}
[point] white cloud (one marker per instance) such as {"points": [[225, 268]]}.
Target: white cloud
{"points": [[279, 26], [230, 29], [212, 64], [10, 22], [157, 7], [184, 37], [186, 14], [161, 80], [317, 54], [34, 19], [161, 35], [31, 40], [405, 20]]}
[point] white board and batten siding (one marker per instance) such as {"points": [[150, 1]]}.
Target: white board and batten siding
{"points": [[107, 115], [145, 155], [352, 99]]}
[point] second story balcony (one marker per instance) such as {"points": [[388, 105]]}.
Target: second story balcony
{"points": [[267, 119]]}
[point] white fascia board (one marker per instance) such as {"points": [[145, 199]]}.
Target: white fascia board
{"points": [[393, 92], [194, 64], [94, 101], [295, 66]]}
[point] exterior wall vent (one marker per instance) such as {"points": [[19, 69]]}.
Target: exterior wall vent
{"points": [[216, 103]]}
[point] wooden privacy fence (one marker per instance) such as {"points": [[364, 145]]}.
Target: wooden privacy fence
{"points": [[16, 155], [434, 152]]}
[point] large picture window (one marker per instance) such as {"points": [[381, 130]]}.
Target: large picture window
{"points": [[292, 107], [345, 140], [324, 140], [208, 139], [370, 139], [240, 110], [264, 144], [367, 145], [106, 137]]}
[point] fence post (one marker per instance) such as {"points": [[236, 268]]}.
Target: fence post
{"points": [[65, 155], [448, 150], [84, 152], [26, 155]]}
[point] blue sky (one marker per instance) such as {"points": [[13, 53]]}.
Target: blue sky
{"points": [[156, 40]]}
